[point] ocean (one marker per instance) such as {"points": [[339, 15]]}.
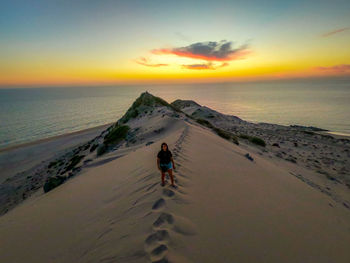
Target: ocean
{"points": [[30, 114]]}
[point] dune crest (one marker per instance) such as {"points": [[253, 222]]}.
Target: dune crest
{"points": [[225, 208]]}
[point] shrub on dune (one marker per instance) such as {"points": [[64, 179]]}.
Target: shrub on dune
{"points": [[53, 182], [117, 134], [101, 149], [258, 141], [226, 135], [93, 147], [205, 123], [222, 133], [253, 139], [74, 161]]}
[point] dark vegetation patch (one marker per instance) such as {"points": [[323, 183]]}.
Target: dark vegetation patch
{"points": [[309, 128], [117, 134], [101, 149], [309, 132], [326, 136], [205, 123], [344, 140], [255, 140], [53, 182], [258, 141], [74, 161], [244, 136], [52, 164], [93, 147], [222, 133], [184, 103]]}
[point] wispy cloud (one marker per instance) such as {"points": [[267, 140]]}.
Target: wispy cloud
{"points": [[209, 51], [208, 65], [145, 62], [342, 68], [336, 31]]}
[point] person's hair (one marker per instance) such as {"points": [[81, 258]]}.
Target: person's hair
{"points": [[167, 147]]}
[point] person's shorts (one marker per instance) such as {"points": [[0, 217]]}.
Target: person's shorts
{"points": [[166, 166]]}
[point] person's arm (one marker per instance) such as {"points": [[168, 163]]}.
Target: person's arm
{"points": [[158, 163], [172, 160]]}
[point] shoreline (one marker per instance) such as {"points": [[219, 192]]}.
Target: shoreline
{"points": [[31, 143], [337, 135], [27, 157]]}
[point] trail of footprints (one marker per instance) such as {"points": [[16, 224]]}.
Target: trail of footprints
{"points": [[157, 243]]}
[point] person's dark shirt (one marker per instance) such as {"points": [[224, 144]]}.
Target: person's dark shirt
{"points": [[164, 156]]}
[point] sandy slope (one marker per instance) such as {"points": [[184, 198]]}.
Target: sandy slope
{"points": [[226, 209], [254, 211], [30, 155], [327, 155]]}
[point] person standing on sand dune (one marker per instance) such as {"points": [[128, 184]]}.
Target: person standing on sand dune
{"points": [[165, 163]]}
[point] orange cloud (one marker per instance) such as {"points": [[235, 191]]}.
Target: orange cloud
{"points": [[335, 31], [145, 62], [342, 68], [209, 65], [209, 51]]}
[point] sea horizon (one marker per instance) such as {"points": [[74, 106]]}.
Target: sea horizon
{"points": [[32, 114]]}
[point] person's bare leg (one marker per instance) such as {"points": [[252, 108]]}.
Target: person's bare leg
{"points": [[163, 177], [170, 171]]}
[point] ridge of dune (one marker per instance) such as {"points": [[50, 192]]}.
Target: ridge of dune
{"points": [[226, 207], [326, 158], [58, 160]]}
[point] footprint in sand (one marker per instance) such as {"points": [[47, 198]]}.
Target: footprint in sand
{"points": [[168, 193], [156, 245], [158, 236], [160, 203], [183, 226], [164, 218], [159, 251]]}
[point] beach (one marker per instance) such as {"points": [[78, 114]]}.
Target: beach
{"points": [[246, 192], [29, 155]]}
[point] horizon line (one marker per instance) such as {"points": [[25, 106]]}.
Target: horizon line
{"points": [[99, 84]]}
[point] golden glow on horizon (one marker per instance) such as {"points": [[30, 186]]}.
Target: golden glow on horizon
{"points": [[264, 63]]}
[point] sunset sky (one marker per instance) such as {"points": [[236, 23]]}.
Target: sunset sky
{"points": [[45, 42]]}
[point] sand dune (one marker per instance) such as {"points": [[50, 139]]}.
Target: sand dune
{"points": [[226, 208]]}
